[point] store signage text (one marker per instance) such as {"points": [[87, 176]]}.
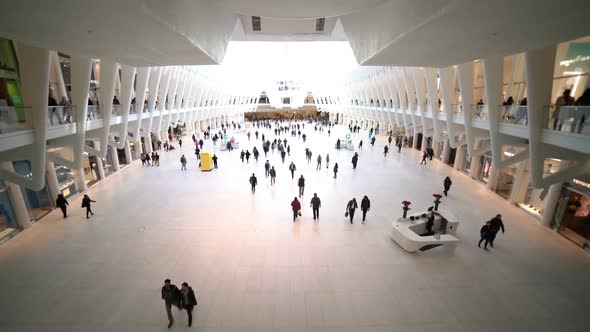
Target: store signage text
{"points": [[581, 183]]}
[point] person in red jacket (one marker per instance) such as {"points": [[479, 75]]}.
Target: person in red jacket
{"points": [[296, 207]]}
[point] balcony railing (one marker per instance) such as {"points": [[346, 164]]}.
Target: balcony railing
{"points": [[568, 118], [12, 118], [59, 115]]}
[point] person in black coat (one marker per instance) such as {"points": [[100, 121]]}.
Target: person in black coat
{"points": [[355, 160], [315, 205], [62, 203], [485, 234], [365, 207], [495, 225], [86, 204], [171, 296], [188, 301], [350, 208], [447, 185], [301, 185], [253, 182], [335, 169]]}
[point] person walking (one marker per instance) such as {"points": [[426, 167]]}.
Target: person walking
{"points": [[361, 145], [253, 182], [180, 142], [183, 163], [266, 169], [389, 140], [399, 146], [214, 160], [62, 203], [495, 225], [385, 151], [335, 169], [355, 160], [350, 208], [327, 161], [273, 175], [198, 152], [171, 296], [247, 156], [255, 153], [86, 200], [188, 301], [301, 184], [292, 168], [296, 208], [201, 143], [373, 141], [315, 204], [447, 185], [242, 155], [365, 207], [319, 165], [485, 233], [283, 155], [424, 156]]}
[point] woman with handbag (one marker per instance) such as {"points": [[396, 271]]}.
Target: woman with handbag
{"points": [[350, 208], [296, 207]]}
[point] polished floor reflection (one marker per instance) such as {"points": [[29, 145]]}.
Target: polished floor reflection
{"points": [[255, 270]]}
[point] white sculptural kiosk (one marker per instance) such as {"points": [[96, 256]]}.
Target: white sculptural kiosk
{"points": [[412, 235]]}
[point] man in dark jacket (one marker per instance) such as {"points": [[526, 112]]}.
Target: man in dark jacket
{"points": [[266, 169], [301, 184], [273, 175], [171, 296], [495, 225], [188, 301], [355, 160], [365, 206], [253, 182], [350, 208], [292, 168], [447, 185], [315, 205], [86, 204], [62, 203]]}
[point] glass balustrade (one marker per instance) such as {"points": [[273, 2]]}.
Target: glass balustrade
{"points": [[59, 115], [12, 118], [570, 119], [515, 114]]}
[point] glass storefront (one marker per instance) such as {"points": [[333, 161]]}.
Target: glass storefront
{"points": [[90, 170], [441, 148], [65, 178], [533, 201], [107, 163], [7, 217], [505, 181], [466, 161], [485, 166], [122, 158], [572, 215], [39, 203]]}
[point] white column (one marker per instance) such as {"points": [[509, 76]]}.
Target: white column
{"points": [[446, 152], [128, 155], [100, 168], [115, 158], [16, 197], [80, 179], [521, 182], [459, 158], [493, 178], [52, 182]]}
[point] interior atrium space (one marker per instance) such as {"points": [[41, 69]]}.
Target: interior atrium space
{"points": [[295, 166]]}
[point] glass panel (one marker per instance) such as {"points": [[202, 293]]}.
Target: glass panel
{"points": [[65, 178], [7, 218], [39, 203]]}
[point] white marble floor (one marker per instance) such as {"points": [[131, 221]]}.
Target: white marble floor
{"points": [[255, 270]]}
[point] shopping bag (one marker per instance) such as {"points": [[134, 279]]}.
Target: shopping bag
{"points": [[346, 214]]}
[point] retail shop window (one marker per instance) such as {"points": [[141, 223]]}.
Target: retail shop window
{"points": [[39, 203], [7, 218], [66, 180], [572, 215], [485, 167]]}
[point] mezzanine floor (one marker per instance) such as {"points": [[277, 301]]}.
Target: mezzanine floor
{"points": [[255, 270]]}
